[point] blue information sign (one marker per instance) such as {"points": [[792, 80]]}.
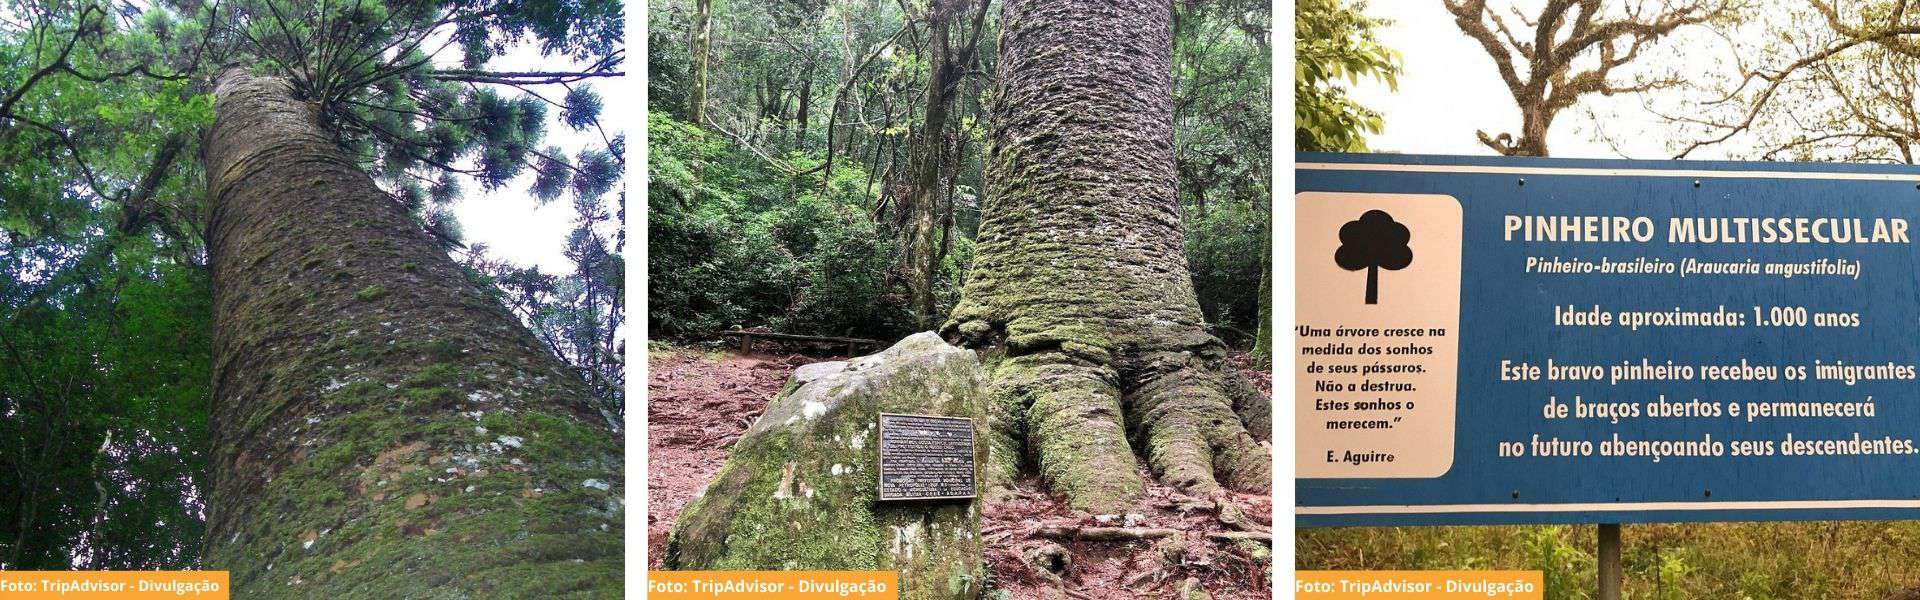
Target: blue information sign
{"points": [[1487, 340]]}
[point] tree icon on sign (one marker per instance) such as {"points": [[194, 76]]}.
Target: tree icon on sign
{"points": [[1373, 242]]}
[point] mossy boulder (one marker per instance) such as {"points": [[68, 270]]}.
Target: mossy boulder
{"points": [[799, 489]]}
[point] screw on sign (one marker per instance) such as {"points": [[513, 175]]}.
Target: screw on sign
{"points": [[1373, 242]]}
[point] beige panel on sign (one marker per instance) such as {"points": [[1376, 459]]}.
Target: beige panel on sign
{"points": [[1398, 419]]}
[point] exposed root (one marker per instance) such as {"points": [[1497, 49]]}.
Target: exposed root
{"points": [[1079, 290], [1060, 411], [1193, 439], [1022, 517], [1103, 534], [1231, 515], [1048, 561], [1074, 429], [1191, 590], [1049, 564], [1254, 407], [1234, 536]]}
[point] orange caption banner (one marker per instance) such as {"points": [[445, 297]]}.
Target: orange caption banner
{"points": [[1421, 585], [773, 585], [94, 585]]}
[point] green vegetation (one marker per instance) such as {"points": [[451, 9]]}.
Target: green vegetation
{"points": [[107, 293], [1333, 43], [109, 392], [790, 205], [1864, 560], [746, 254]]}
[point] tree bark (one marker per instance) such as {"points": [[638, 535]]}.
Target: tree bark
{"points": [[931, 155], [1263, 334], [927, 158], [699, 50], [1080, 292], [806, 102], [380, 426], [1550, 81]]}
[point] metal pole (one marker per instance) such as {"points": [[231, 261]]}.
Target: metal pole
{"points": [[1660, 589], [1610, 576]]}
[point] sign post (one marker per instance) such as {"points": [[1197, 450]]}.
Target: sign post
{"points": [[1609, 562], [1494, 340]]}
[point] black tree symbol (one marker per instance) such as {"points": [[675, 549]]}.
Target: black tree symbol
{"points": [[1373, 242]]}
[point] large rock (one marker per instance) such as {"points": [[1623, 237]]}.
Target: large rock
{"points": [[799, 490]]}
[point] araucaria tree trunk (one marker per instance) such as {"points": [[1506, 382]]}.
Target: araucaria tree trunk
{"points": [[1080, 291], [381, 427]]}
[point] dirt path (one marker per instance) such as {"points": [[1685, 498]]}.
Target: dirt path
{"points": [[699, 402]]}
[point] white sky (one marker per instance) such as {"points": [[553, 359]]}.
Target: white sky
{"points": [[1449, 88], [513, 224]]}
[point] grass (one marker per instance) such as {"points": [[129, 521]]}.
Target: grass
{"points": [[1759, 561]]}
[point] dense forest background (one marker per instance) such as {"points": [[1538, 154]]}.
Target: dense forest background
{"points": [[105, 289], [796, 146]]}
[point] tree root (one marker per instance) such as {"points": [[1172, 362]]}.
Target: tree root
{"points": [[1255, 409], [1191, 590], [1103, 534], [1181, 413], [1076, 418], [1049, 561], [1070, 414], [1231, 515], [1233, 536]]}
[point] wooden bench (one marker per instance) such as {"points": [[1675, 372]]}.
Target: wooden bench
{"points": [[853, 344]]}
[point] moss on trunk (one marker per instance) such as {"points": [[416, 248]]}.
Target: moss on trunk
{"points": [[928, 158], [1080, 287], [800, 489], [381, 428]]}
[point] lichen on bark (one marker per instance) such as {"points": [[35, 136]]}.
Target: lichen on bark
{"points": [[1079, 292], [381, 428]]}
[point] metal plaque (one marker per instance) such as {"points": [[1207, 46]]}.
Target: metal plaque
{"points": [[926, 457]]}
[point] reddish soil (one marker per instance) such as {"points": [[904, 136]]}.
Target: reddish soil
{"points": [[698, 403], [1119, 570]]}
